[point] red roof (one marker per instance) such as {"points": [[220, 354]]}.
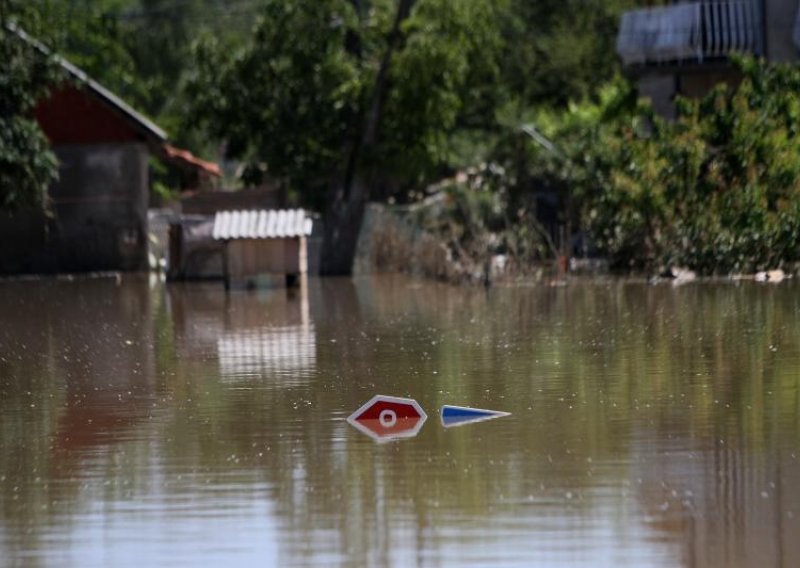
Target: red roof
{"points": [[186, 157], [71, 115]]}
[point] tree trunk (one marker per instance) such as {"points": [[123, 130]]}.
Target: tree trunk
{"points": [[349, 200]]}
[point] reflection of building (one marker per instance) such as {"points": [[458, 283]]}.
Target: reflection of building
{"points": [[265, 350], [289, 350], [251, 335], [685, 48], [102, 364]]}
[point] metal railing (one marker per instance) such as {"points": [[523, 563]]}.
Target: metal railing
{"points": [[692, 31]]}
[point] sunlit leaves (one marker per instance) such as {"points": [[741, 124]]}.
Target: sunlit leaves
{"points": [[297, 97], [289, 98], [715, 189], [27, 166]]}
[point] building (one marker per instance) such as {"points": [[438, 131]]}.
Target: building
{"points": [[259, 244], [244, 248], [97, 218], [684, 48]]}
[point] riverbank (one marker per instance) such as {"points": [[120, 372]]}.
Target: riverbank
{"points": [[393, 241]]}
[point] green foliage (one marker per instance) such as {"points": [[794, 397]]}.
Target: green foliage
{"points": [[286, 85], [559, 51], [296, 98], [27, 166], [90, 35], [717, 189], [140, 49], [443, 83], [290, 98]]}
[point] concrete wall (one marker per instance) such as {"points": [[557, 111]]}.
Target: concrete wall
{"points": [[660, 89], [210, 202], [193, 252], [99, 215], [779, 20], [697, 83], [695, 80], [692, 81]]}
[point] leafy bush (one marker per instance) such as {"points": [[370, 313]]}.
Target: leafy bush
{"points": [[717, 189], [27, 166]]}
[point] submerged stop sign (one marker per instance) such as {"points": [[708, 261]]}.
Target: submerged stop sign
{"points": [[389, 417]]}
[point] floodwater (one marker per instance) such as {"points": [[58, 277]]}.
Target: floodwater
{"points": [[144, 424]]}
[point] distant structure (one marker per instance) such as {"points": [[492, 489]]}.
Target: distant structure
{"points": [[685, 48], [268, 196], [196, 174], [98, 206], [271, 244], [244, 248]]}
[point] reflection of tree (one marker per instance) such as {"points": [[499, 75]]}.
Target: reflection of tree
{"points": [[620, 394], [723, 506], [79, 380]]}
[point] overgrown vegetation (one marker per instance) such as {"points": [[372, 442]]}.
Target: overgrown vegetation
{"points": [[27, 165], [342, 101], [715, 190]]}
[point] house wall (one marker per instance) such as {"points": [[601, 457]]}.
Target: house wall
{"points": [[779, 17], [697, 83], [249, 258], [660, 89], [99, 215], [660, 84], [211, 202], [70, 116]]}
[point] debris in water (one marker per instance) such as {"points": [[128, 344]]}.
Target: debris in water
{"points": [[458, 415], [386, 418]]}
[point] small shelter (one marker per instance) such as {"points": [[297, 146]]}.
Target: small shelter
{"points": [[263, 244]]}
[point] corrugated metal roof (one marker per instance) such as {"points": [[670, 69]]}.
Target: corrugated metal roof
{"points": [[261, 224]]}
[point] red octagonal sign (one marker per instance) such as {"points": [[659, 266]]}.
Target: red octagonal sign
{"points": [[389, 417]]}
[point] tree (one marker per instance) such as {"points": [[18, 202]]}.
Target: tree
{"points": [[559, 51], [27, 165], [338, 98]]}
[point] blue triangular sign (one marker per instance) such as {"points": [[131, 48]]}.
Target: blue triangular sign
{"points": [[458, 415]]}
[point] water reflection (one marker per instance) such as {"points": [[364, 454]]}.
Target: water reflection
{"points": [[721, 504], [252, 335], [266, 350], [174, 426]]}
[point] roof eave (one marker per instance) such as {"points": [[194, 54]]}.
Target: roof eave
{"points": [[146, 126]]}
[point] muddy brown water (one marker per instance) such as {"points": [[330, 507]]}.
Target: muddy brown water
{"points": [[144, 424]]}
